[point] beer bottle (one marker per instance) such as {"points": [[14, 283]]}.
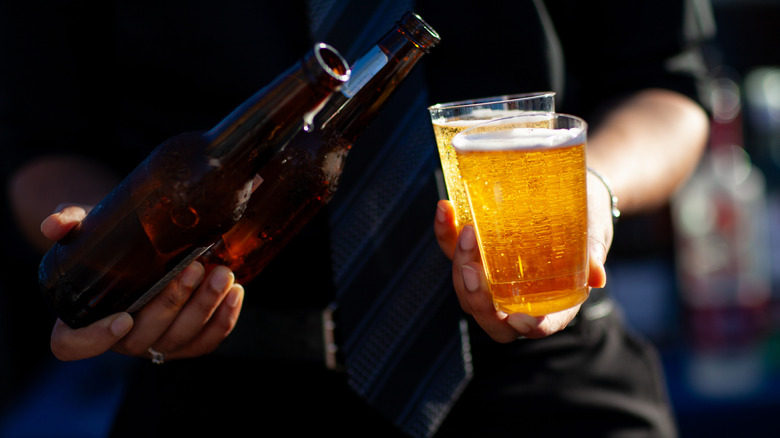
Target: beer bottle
{"points": [[302, 178], [188, 192]]}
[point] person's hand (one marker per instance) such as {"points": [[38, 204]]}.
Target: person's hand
{"points": [[470, 283], [190, 317]]}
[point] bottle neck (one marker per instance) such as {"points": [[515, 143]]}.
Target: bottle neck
{"points": [[418, 31], [268, 119], [376, 75]]}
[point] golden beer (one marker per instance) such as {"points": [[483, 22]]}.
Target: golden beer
{"points": [[526, 190], [449, 166], [444, 132], [451, 118]]}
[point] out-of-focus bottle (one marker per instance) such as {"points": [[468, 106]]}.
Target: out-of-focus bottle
{"points": [[723, 257], [299, 181], [181, 198]]}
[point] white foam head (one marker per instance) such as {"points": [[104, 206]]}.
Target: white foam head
{"points": [[517, 138]]}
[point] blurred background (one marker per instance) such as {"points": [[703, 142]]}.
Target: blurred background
{"points": [[700, 279], [715, 252]]}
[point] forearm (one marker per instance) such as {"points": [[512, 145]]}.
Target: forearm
{"points": [[647, 146], [39, 187]]}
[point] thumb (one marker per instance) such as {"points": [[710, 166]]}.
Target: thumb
{"points": [[597, 256], [69, 344], [57, 225]]}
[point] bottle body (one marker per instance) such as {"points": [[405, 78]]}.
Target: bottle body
{"points": [[179, 200], [295, 184], [299, 183], [723, 258]]}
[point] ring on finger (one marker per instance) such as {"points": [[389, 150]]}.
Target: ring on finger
{"points": [[157, 357]]}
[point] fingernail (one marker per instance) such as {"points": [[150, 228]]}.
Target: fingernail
{"points": [[470, 278], [221, 277], [467, 239], [522, 323], [441, 215], [121, 324], [234, 297], [192, 275]]}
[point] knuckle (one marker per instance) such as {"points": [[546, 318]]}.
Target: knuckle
{"points": [[167, 346], [174, 296], [59, 345], [221, 327], [205, 308], [59, 352]]}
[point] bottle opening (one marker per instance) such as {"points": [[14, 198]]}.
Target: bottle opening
{"points": [[333, 61], [418, 31]]}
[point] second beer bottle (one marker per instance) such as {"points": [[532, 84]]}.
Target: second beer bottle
{"points": [[299, 181], [181, 198]]}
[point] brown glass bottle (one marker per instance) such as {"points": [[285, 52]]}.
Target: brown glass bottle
{"points": [[298, 181], [181, 198]]}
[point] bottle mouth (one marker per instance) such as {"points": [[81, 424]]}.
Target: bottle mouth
{"points": [[332, 61], [418, 31]]}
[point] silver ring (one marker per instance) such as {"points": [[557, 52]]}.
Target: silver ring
{"points": [[157, 357]]}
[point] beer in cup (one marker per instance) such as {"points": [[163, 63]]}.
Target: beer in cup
{"points": [[450, 118], [525, 183]]}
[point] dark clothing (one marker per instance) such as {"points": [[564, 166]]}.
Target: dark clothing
{"points": [[593, 379], [590, 52], [111, 80]]}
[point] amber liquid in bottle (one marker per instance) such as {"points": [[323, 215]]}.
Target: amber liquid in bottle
{"points": [[180, 199], [301, 179]]}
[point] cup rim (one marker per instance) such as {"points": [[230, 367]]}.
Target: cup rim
{"points": [[543, 115], [498, 99]]}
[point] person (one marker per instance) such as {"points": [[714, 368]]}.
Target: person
{"points": [[109, 81]]}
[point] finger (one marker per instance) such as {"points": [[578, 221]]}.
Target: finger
{"points": [[597, 255], [534, 327], [600, 230], [197, 313], [74, 344], [58, 225], [158, 314], [466, 283], [480, 302], [445, 227], [219, 326], [472, 289]]}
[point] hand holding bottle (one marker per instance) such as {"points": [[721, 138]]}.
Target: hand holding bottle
{"points": [[176, 203], [190, 317]]}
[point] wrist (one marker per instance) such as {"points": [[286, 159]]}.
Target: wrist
{"points": [[613, 199]]}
